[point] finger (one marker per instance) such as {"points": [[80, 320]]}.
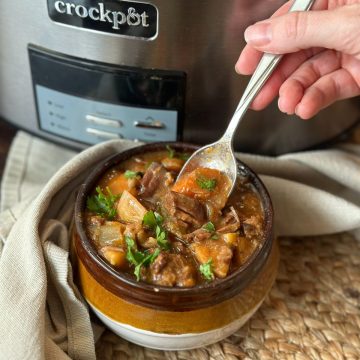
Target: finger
{"points": [[299, 30], [250, 57], [293, 88], [248, 60], [328, 89], [286, 67]]}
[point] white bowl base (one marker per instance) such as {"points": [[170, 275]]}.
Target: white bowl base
{"points": [[168, 341]]}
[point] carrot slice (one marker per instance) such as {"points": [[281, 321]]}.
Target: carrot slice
{"points": [[119, 184], [202, 183], [207, 185]]}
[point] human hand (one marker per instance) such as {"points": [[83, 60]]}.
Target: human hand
{"points": [[323, 61]]}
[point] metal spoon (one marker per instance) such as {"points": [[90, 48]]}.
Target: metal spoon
{"points": [[220, 154]]}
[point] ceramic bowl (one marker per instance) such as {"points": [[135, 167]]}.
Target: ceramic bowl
{"points": [[172, 318]]}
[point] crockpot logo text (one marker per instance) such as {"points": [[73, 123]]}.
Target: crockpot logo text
{"points": [[100, 13]]}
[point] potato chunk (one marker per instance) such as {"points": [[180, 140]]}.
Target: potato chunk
{"points": [[111, 233], [129, 209], [218, 251], [231, 239], [107, 233], [114, 255]]}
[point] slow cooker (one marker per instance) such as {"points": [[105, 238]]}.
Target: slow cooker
{"points": [[82, 71]]}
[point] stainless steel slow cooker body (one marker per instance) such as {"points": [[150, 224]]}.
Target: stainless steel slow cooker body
{"points": [[199, 39]]}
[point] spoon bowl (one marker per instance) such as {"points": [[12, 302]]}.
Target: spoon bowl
{"points": [[218, 155]]}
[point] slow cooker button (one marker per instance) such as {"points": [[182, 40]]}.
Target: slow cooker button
{"points": [[103, 122], [103, 134], [155, 124]]}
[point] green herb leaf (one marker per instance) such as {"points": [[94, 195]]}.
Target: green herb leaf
{"points": [[153, 221], [174, 154], [161, 238], [149, 220], [103, 205], [130, 242], [129, 174], [159, 218], [150, 258], [171, 152], [205, 183], [206, 270], [137, 271], [183, 156], [132, 255], [210, 227], [138, 258]]}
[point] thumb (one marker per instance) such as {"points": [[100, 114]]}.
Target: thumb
{"points": [[333, 29]]}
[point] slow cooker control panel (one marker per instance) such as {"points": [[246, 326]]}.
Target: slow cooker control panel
{"points": [[91, 102]]}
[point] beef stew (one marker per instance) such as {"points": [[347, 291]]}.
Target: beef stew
{"points": [[174, 235]]}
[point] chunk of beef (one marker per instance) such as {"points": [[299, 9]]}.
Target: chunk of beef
{"points": [[184, 208], [153, 182], [216, 250], [229, 222], [142, 236], [180, 248], [198, 235], [172, 270], [252, 226], [210, 186]]}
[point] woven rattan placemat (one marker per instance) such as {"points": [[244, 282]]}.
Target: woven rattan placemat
{"points": [[312, 312]]}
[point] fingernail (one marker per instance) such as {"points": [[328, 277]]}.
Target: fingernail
{"points": [[297, 111], [281, 104], [258, 34]]}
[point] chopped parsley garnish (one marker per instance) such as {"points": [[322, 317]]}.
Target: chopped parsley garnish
{"points": [[171, 152], [210, 227], [129, 174], [103, 205], [183, 156], [154, 221], [174, 154], [206, 183], [149, 220], [161, 238], [148, 259], [138, 258], [206, 270]]}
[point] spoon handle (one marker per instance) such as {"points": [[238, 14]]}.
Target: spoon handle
{"points": [[263, 71]]}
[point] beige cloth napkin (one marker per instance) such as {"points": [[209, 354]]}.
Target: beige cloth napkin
{"points": [[42, 313]]}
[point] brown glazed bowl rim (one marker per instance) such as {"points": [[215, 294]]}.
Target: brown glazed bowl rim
{"points": [[161, 297]]}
